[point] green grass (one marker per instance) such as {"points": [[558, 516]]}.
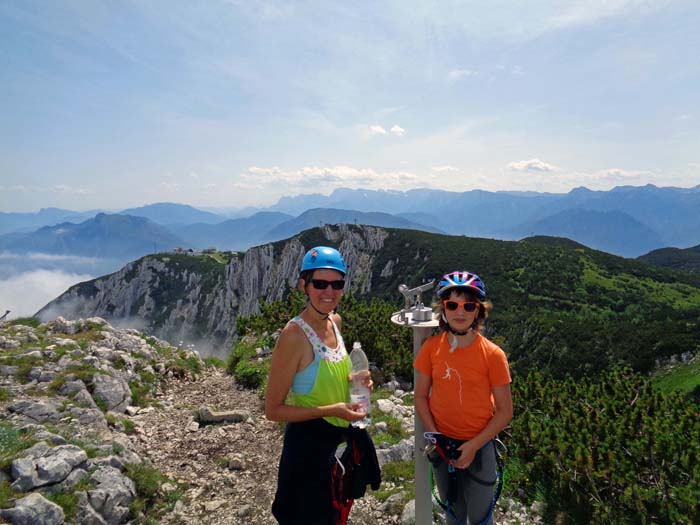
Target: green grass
{"points": [[218, 257], [68, 501], [682, 378], [78, 371], [401, 474], [215, 362], [26, 321], [186, 362], [148, 481], [5, 394], [146, 478], [394, 432], [12, 443], [6, 495], [140, 393]]}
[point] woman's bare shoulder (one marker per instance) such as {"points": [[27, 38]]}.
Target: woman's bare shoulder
{"points": [[291, 337]]}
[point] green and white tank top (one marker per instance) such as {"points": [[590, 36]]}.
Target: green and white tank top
{"points": [[325, 380]]}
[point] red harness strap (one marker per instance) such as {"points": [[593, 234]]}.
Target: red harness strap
{"points": [[341, 477]]}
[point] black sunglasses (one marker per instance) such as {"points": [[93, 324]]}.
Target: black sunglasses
{"points": [[469, 306], [322, 284]]}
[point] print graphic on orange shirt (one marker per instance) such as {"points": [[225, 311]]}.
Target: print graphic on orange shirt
{"points": [[448, 376]]}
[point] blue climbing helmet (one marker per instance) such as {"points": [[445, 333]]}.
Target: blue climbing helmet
{"points": [[323, 257], [462, 280]]}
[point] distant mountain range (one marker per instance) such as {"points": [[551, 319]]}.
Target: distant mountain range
{"points": [[28, 222], [167, 213], [609, 231], [233, 234], [628, 221], [120, 237]]}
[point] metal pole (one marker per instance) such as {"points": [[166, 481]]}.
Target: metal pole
{"points": [[421, 320], [424, 501]]}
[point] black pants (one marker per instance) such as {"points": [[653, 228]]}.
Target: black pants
{"points": [[304, 480]]}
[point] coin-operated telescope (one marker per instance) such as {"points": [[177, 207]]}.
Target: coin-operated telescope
{"points": [[414, 310]]}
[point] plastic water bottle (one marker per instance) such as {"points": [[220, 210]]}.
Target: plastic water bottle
{"points": [[359, 392]]}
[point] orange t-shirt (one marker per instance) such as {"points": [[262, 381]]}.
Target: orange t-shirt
{"points": [[460, 398]]}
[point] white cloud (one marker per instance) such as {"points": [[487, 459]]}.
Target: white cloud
{"points": [[531, 165], [456, 74], [26, 293], [443, 169], [169, 186], [69, 190], [614, 175], [377, 130], [579, 13], [397, 130], [58, 188], [325, 179], [48, 257], [264, 171]]}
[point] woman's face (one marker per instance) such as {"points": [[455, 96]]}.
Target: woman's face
{"points": [[460, 319], [324, 299]]}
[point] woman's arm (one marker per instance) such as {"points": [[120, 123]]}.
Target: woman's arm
{"points": [[286, 357], [421, 401], [502, 416]]}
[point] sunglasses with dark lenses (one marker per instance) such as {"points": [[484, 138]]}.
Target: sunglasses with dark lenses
{"points": [[322, 284], [469, 306]]}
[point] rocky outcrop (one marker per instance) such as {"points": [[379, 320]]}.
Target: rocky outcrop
{"points": [[67, 387], [192, 299], [34, 509]]}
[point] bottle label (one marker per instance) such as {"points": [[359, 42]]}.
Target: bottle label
{"points": [[361, 399]]}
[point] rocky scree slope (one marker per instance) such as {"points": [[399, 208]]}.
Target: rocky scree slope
{"points": [[68, 390]]}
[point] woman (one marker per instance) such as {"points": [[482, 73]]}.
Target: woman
{"points": [[310, 363], [462, 391]]}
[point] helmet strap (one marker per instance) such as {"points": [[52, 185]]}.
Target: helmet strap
{"points": [[454, 333], [319, 312]]}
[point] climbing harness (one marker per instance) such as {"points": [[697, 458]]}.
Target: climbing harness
{"points": [[353, 469], [341, 478], [448, 449]]}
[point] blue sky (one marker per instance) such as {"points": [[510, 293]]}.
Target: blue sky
{"points": [[237, 103]]}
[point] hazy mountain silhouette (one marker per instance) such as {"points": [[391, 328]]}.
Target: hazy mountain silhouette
{"points": [[166, 213], [233, 234], [318, 216], [610, 231], [116, 236], [28, 222]]}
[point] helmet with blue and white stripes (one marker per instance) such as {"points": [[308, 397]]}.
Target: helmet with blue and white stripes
{"points": [[462, 279]]}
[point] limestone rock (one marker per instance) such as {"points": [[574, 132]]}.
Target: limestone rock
{"points": [[34, 509], [43, 411], [112, 495], [113, 391], [408, 516], [52, 466]]}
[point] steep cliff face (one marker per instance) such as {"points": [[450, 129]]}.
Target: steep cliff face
{"points": [[196, 299]]}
